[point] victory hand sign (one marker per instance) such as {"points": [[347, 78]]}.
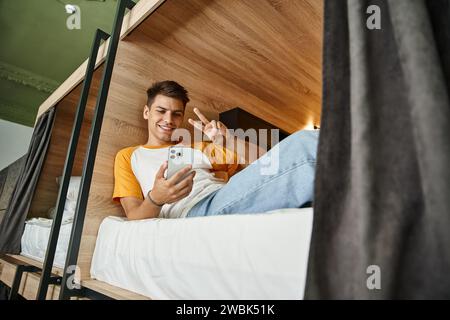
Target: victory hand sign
{"points": [[214, 130]]}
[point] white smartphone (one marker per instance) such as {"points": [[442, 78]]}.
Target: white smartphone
{"points": [[179, 158]]}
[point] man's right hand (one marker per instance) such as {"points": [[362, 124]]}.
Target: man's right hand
{"points": [[173, 189]]}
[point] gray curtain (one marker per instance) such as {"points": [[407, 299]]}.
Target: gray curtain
{"points": [[382, 189], [12, 225], [8, 180]]}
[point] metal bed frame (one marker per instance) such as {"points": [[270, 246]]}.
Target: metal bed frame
{"points": [[69, 289]]}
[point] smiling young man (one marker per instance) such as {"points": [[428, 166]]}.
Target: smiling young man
{"points": [[140, 185], [144, 192]]}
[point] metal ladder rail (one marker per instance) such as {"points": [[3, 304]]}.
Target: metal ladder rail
{"points": [[46, 277], [72, 289]]}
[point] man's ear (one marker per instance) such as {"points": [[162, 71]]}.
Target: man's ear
{"points": [[146, 113]]}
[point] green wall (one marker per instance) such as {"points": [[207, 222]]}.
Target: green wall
{"points": [[38, 52]]}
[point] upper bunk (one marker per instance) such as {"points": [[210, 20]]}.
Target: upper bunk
{"points": [[267, 54]]}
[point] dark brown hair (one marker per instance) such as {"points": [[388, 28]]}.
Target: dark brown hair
{"points": [[169, 89]]}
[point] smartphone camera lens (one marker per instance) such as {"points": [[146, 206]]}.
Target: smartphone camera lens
{"points": [[172, 157], [179, 154], [172, 151]]}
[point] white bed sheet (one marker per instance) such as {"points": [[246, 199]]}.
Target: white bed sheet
{"points": [[256, 256], [35, 239]]}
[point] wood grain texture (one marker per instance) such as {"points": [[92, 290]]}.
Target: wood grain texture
{"points": [[240, 53], [22, 259], [29, 284], [261, 55], [131, 19], [112, 291], [47, 189]]}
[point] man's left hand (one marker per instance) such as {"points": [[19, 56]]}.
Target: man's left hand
{"points": [[214, 130]]}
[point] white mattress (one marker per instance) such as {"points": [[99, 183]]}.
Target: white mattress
{"points": [[35, 239], [256, 256]]}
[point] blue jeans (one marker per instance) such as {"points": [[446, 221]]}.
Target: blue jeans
{"points": [[282, 178]]}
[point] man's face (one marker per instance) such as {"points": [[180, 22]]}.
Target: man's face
{"points": [[163, 117]]}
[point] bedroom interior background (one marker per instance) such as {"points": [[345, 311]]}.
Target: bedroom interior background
{"points": [[168, 38], [423, 58]]}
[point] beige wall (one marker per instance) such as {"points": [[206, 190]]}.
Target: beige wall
{"points": [[14, 142]]}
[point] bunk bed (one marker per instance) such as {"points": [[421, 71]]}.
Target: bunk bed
{"points": [[264, 57]]}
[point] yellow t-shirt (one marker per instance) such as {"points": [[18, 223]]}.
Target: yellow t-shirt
{"points": [[135, 169]]}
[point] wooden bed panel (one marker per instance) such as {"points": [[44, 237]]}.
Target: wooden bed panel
{"points": [[242, 53], [29, 285], [47, 189], [264, 58], [112, 291]]}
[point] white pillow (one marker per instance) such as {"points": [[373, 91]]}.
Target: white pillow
{"points": [[70, 205], [74, 187], [67, 214], [71, 199]]}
